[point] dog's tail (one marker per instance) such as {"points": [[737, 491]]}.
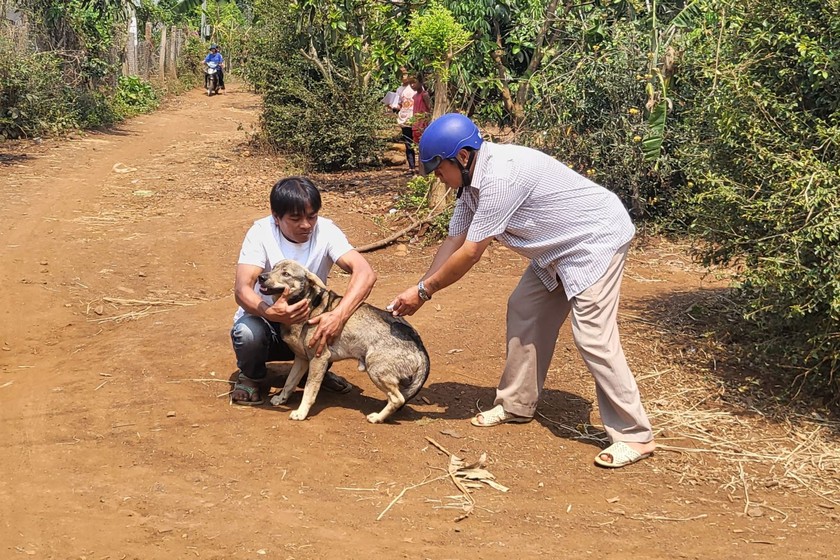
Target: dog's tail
{"points": [[409, 387]]}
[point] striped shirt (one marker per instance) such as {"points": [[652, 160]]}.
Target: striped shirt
{"points": [[567, 225]]}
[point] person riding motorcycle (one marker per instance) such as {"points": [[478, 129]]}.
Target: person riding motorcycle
{"points": [[216, 57]]}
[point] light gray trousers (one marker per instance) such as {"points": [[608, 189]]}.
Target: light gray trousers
{"points": [[534, 318]]}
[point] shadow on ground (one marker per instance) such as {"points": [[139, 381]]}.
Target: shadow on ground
{"points": [[12, 159], [564, 414], [703, 332]]}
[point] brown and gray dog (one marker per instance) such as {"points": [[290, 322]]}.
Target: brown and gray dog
{"points": [[390, 349]]}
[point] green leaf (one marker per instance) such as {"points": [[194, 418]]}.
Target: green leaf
{"points": [[652, 143], [690, 16]]}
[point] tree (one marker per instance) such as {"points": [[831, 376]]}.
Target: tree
{"points": [[511, 39], [436, 38]]}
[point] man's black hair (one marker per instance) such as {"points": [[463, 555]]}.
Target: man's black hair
{"points": [[293, 195]]}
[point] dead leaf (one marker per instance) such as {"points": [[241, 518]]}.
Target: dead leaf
{"points": [[475, 474], [496, 485], [455, 351]]}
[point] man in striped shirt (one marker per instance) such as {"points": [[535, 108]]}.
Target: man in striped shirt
{"points": [[576, 234]]}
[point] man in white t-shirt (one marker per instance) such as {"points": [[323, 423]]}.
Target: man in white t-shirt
{"points": [[292, 231], [576, 234]]}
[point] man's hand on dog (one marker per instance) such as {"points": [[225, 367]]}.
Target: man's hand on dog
{"points": [[288, 314], [329, 327], [407, 303]]}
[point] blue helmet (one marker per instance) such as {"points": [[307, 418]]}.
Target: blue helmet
{"points": [[445, 137]]}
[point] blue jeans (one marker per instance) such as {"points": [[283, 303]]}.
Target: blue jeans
{"points": [[255, 342]]}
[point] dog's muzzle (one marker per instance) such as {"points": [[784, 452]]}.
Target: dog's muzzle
{"points": [[265, 287]]}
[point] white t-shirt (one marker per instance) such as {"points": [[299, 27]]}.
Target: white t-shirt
{"points": [[265, 246], [406, 108]]}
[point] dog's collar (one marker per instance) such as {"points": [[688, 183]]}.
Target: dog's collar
{"points": [[317, 299]]}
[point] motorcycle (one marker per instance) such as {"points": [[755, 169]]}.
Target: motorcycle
{"points": [[211, 78]]}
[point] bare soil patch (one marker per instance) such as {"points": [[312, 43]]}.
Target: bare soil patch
{"points": [[118, 250]]}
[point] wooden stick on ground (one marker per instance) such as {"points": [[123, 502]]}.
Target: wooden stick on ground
{"points": [[393, 237], [433, 213]]}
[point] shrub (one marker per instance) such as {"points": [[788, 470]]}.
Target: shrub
{"points": [[33, 98], [588, 111], [134, 96], [758, 143], [330, 128]]}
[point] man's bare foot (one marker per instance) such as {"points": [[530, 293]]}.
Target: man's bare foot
{"points": [[246, 392]]}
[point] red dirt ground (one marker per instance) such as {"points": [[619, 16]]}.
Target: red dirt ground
{"points": [[118, 441]]}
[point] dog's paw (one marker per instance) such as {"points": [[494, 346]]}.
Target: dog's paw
{"points": [[279, 399], [375, 418], [297, 415]]}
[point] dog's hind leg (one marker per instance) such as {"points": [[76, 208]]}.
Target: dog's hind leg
{"points": [[391, 388], [299, 368], [317, 370]]}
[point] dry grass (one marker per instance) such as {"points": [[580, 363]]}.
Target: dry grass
{"points": [[148, 307], [715, 418]]}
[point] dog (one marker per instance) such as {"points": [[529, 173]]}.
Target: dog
{"points": [[389, 348]]}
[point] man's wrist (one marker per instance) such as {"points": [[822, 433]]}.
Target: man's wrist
{"points": [[423, 292], [262, 307]]}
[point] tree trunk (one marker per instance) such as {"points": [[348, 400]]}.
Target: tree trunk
{"points": [[441, 104]]}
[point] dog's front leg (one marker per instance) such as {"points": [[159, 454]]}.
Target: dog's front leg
{"points": [[299, 368], [317, 370]]}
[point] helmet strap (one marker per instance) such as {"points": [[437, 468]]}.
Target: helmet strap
{"points": [[466, 173]]}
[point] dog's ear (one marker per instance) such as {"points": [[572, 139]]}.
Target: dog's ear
{"points": [[314, 280]]}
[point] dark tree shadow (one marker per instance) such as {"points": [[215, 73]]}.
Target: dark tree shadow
{"points": [[12, 159], [112, 130]]}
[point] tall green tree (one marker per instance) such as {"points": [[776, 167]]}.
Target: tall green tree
{"points": [[436, 38]]}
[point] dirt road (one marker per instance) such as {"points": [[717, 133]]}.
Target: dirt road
{"points": [[117, 253]]}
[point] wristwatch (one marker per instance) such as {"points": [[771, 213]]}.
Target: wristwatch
{"points": [[421, 290]]}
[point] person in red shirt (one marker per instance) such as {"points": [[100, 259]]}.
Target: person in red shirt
{"points": [[422, 108]]}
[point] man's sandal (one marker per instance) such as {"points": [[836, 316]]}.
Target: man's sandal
{"points": [[497, 415], [622, 455], [250, 391]]}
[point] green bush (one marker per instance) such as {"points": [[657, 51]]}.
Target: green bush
{"points": [[311, 112], [189, 63], [758, 141], [93, 109], [330, 129], [33, 98], [134, 96], [588, 110]]}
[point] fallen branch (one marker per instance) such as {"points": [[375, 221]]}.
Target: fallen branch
{"points": [[433, 213], [393, 237], [647, 517]]}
